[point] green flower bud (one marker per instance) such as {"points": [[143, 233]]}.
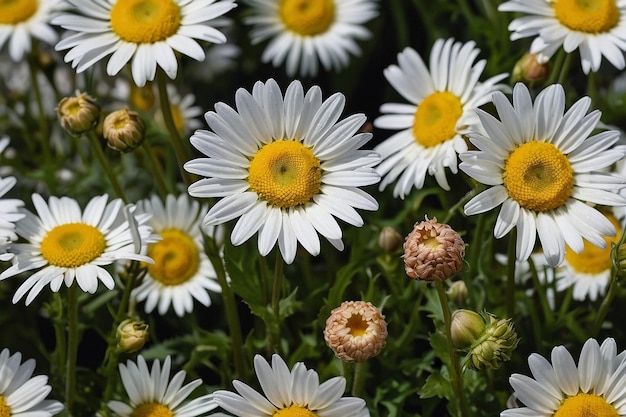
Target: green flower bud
{"points": [[457, 293], [132, 335], [494, 346], [466, 328], [389, 239]]}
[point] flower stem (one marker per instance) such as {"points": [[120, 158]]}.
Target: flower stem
{"points": [[99, 153], [455, 368], [510, 276], [72, 346], [43, 122], [155, 169], [360, 372], [274, 328]]}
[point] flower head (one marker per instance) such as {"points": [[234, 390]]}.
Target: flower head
{"points": [[441, 111], [493, 346], [433, 251], [542, 166], [123, 130], [145, 32], [356, 331], [305, 31], [9, 214], [78, 114], [285, 167], [594, 387], [131, 335], [290, 393]]}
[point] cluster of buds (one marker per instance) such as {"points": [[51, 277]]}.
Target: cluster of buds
{"points": [[78, 114], [123, 130], [356, 331], [131, 335], [487, 340], [433, 251]]}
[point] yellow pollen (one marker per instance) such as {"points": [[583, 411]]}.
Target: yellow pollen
{"points": [[285, 173], [592, 259], [145, 21], [176, 257], [72, 245], [585, 405], [13, 12], [151, 410], [538, 176], [307, 17], [357, 325], [142, 98], [294, 411], [589, 16], [5, 410], [436, 118]]}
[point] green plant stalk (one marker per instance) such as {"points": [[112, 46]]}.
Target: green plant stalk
{"points": [[43, 122], [59, 334], [99, 153], [154, 168], [558, 64], [360, 373], [274, 328], [510, 276], [564, 69], [455, 368], [72, 346]]}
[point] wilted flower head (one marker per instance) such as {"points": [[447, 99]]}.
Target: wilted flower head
{"points": [[493, 346], [356, 331], [530, 71], [132, 335], [433, 251], [123, 130], [78, 114]]}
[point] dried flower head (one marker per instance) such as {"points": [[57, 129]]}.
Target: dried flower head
{"points": [[530, 71], [494, 346], [433, 251], [132, 335], [123, 130], [78, 114], [356, 331]]}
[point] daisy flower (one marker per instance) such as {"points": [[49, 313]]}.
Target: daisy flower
{"points": [[596, 27], [145, 32], [9, 214], [440, 112], [153, 393], [289, 393], [22, 20], [542, 166], [21, 394], [67, 245], [303, 32], [594, 387], [181, 270], [285, 167]]}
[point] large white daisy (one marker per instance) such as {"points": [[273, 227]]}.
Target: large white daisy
{"points": [[285, 167], [440, 112], [22, 20], [67, 245], [146, 32], [593, 388], [542, 166], [21, 393], [596, 28], [303, 32], [9, 214], [290, 393], [153, 393], [181, 270]]}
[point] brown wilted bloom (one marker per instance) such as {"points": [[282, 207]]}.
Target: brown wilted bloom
{"points": [[433, 251], [356, 331], [530, 71], [132, 335], [123, 130], [78, 114]]}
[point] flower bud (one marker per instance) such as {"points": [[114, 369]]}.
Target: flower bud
{"points": [[494, 346], [530, 71], [132, 335], [356, 331], [466, 328], [123, 130], [433, 251], [457, 293], [78, 114], [389, 239]]}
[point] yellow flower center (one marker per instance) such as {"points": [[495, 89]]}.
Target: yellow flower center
{"points": [[142, 98], [590, 16], [357, 325], [435, 119], [72, 245], [592, 259], [145, 21], [294, 411], [13, 12], [585, 405], [5, 410], [285, 173], [176, 257], [307, 17], [151, 410], [538, 176]]}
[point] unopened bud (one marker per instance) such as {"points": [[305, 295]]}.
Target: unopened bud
{"points": [[530, 71], [78, 114], [123, 130], [389, 239], [457, 293], [495, 345], [132, 335], [466, 328]]}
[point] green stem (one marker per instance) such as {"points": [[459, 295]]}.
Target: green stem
{"points": [[72, 347], [360, 372], [99, 153], [274, 329], [59, 333], [565, 69], [510, 276], [155, 169], [43, 122], [455, 368]]}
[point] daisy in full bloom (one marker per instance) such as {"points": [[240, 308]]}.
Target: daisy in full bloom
{"points": [[596, 27], [181, 270], [440, 112], [22, 20], [9, 214], [285, 167], [561, 389], [305, 31], [21, 394], [290, 393], [153, 393], [542, 167], [145, 32], [67, 245]]}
